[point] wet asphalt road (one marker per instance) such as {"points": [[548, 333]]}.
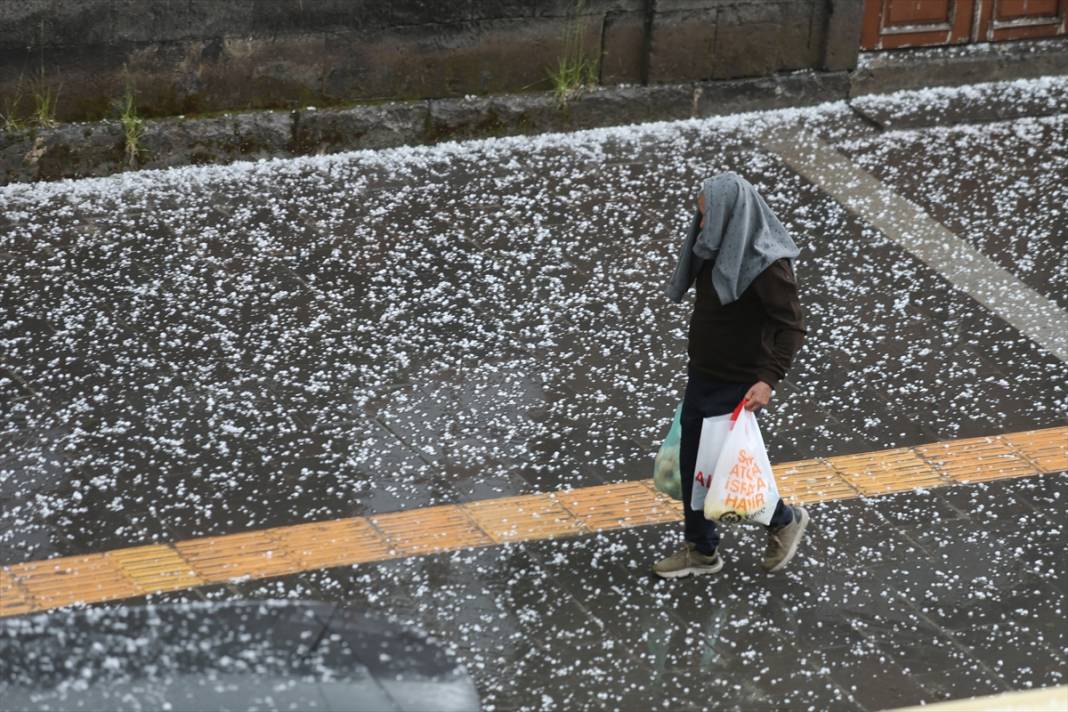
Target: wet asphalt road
{"points": [[206, 351]]}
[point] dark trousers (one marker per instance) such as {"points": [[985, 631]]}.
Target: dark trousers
{"points": [[705, 398]]}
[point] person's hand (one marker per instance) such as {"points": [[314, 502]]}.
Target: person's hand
{"points": [[758, 396]]}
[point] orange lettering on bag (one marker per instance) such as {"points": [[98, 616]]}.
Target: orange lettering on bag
{"points": [[744, 505]]}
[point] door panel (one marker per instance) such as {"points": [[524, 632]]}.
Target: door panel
{"points": [[911, 12], [1012, 9], [1018, 19], [912, 23], [908, 23]]}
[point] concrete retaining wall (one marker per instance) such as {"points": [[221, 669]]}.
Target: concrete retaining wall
{"points": [[98, 148], [200, 56]]}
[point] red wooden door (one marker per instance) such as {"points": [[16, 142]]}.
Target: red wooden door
{"points": [[1017, 19], [910, 23], [904, 23]]}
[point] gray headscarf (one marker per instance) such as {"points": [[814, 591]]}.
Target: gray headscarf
{"points": [[741, 235]]}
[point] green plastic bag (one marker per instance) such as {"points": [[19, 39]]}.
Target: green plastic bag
{"points": [[666, 474]]}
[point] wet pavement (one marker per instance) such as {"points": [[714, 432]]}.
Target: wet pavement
{"points": [[211, 350], [260, 655], [895, 600], [1018, 167]]}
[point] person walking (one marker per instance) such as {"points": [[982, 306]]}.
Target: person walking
{"points": [[746, 327]]}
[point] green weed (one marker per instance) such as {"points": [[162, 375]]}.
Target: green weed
{"points": [[133, 126], [9, 118], [45, 97], [574, 70]]}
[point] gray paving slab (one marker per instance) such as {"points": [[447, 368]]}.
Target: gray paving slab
{"points": [[905, 223], [207, 351], [250, 345], [988, 101], [238, 655], [581, 623], [1000, 186]]}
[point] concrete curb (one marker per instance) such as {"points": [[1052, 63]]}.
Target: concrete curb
{"points": [[97, 149], [897, 70]]}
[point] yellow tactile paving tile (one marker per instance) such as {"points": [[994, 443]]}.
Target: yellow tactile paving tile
{"points": [[252, 554], [627, 504], [73, 579], [155, 568], [538, 516], [874, 473], [430, 529], [124, 573], [13, 600], [977, 459], [1048, 449], [811, 481], [336, 543], [666, 500]]}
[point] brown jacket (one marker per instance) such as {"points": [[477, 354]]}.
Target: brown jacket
{"points": [[752, 339]]}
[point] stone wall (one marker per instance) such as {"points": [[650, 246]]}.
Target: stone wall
{"points": [[203, 56]]}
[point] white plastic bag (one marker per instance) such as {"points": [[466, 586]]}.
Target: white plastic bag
{"points": [[743, 487], [713, 434]]}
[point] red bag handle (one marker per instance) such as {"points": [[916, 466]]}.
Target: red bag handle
{"points": [[737, 412]]}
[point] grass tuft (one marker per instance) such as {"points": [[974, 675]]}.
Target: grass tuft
{"points": [[10, 119], [574, 70], [571, 75], [133, 126], [45, 97]]}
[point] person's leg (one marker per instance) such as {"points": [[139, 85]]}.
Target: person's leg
{"points": [[783, 515], [783, 540], [699, 531], [785, 531], [704, 398]]}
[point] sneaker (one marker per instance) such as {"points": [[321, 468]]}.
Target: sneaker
{"points": [[688, 560], [782, 543]]}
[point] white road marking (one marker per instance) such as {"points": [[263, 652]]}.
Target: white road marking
{"points": [[908, 225]]}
